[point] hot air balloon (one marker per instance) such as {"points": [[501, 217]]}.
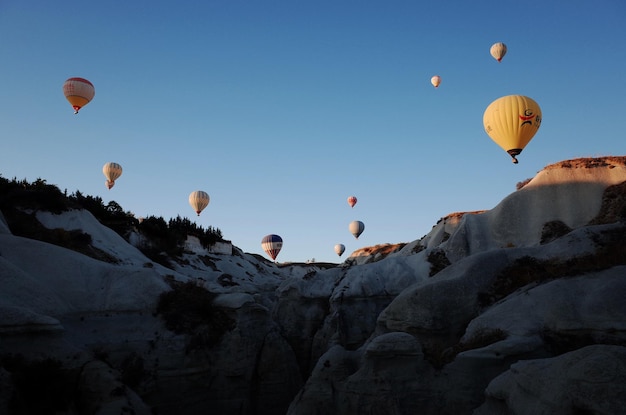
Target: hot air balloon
{"points": [[511, 122], [112, 171], [498, 50], [78, 92], [352, 201], [340, 249], [199, 200], [272, 244], [356, 228], [435, 80]]}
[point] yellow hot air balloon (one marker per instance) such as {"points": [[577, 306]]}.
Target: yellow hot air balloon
{"points": [[112, 171], [199, 200], [78, 91], [435, 80], [498, 50], [511, 122]]}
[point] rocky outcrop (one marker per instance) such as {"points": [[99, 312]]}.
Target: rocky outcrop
{"points": [[559, 294], [590, 380], [461, 320]]}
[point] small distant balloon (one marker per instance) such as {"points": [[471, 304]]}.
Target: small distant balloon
{"points": [[272, 244], [356, 228], [112, 171], [498, 50], [79, 92], [435, 80], [512, 121], [352, 201], [199, 200], [340, 249]]}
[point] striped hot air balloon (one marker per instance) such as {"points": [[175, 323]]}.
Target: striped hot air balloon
{"points": [[272, 244]]}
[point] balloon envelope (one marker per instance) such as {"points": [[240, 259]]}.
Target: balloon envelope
{"points": [[272, 244], [199, 200], [435, 80], [511, 122], [340, 249], [352, 201], [78, 91], [112, 171], [498, 50], [356, 228]]}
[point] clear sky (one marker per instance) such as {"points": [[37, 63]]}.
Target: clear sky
{"points": [[280, 110]]}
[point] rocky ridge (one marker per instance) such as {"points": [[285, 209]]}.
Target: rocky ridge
{"points": [[516, 309]]}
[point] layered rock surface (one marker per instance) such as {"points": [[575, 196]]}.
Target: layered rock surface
{"points": [[462, 320]]}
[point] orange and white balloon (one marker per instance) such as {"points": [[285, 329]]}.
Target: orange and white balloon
{"points": [[435, 80], [79, 92]]}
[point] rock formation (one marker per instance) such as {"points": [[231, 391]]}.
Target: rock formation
{"points": [[516, 309]]}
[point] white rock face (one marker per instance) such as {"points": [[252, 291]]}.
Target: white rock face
{"points": [[589, 380], [450, 312], [462, 320]]}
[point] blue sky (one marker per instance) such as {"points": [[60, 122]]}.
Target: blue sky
{"points": [[280, 110]]}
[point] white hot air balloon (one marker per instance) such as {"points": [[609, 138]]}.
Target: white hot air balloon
{"points": [[340, 249], [199, 200], [498, 50], [356, 228], [112, 171], [435, 80]]}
